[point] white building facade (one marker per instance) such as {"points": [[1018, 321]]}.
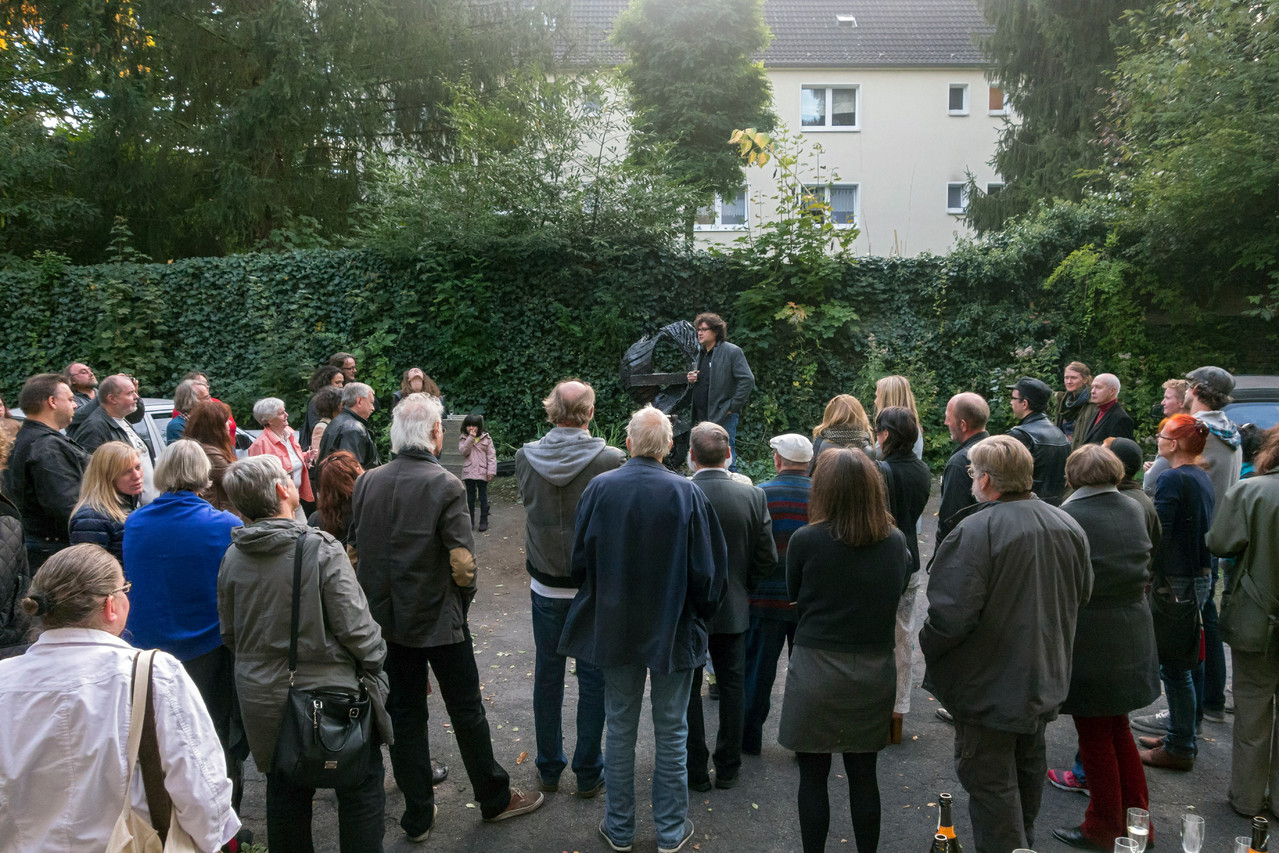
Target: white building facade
{"points": [[895, 95]]}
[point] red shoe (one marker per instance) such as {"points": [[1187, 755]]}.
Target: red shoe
{"points": [[1066, 780]]}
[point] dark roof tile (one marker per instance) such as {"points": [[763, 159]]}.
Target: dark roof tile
{"points": [[807, 33]]}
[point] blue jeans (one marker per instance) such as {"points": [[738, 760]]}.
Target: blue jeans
{"points": [[548, 700], [623, 696], [1212, 693], [1179, 684], [764, 641]]}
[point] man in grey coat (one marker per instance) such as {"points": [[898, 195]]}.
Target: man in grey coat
{"points": [[742, 511], [412, 533], [1004, 596], [552, 473], [722, 381]]}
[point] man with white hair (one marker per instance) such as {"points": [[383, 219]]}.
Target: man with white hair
{"points": [[651, 562], [1003, 599], [412, 533], [349, 431], [1111, 420]]}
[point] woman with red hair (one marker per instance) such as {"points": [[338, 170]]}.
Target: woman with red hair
{"points": [[209, 424], [338, 473], [1184, 502]]}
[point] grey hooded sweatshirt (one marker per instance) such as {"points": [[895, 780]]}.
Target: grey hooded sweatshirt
{"points": [[552, 473]]}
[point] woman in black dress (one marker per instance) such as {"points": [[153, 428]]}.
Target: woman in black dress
{"points": [[846, 571]]}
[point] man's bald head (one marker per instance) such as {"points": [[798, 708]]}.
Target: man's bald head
{"points": [[1105, 388], [570, 404], [966, 415]]}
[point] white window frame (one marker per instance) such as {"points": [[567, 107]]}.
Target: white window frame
{"points": [[856, 89], [822, 191], [963, 197], [1003, 110], [718, 206], [967, 90]]}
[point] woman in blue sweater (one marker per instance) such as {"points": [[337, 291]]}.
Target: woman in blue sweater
{"points": [[173, 548], [108, 493]]}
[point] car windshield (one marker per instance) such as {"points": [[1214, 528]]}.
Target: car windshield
{"points": [[1264, 414]]}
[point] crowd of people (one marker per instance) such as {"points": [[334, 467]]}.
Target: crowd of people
{"points": [[1059, 585]]}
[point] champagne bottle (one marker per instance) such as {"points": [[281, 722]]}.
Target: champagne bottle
{"points": [[941, 844], [1260, 835], [946, 824]]}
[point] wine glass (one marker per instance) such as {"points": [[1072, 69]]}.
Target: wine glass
{"points": [[1125, 845], [1192, 833], [1139, 827], [1242, 844]]}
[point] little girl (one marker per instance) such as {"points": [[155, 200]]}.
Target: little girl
{"points": [[478, 467]]}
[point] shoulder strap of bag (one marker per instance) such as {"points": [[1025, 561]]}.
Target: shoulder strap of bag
{"points": [[158, 801], [137, 706], [297, 606]]}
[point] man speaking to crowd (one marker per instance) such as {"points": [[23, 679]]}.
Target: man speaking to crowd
{"points": [[722, 381]]}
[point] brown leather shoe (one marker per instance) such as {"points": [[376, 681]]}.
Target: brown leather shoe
{"points": [[1149, 741], [1162, 758], [521, 803]]}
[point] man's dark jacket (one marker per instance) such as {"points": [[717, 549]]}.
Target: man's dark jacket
{"points": [[86, 406], [743, 516], [650, 562], [350, 432], [43, 480], [1003, 600], [406, 518], [1049, 447], [1116, 422], [98, 429], [956, 487], [731, 382]]}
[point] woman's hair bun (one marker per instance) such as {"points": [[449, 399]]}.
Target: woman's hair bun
{"points": [[36, 605]]}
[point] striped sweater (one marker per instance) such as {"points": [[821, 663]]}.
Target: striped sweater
{"points": [[788, 506]]}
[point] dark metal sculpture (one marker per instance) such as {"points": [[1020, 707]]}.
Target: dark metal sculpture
{"points": [[669, 392]]}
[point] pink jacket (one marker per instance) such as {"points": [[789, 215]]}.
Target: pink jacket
{"points": [[269, 442], [479, 459]]}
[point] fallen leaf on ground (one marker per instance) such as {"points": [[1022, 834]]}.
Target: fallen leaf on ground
{"points": [[523, 757]]}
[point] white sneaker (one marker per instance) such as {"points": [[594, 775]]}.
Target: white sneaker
{"points": [[1155, 724]]}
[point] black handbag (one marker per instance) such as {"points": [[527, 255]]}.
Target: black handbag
{"points": [[1177, 623], [326, 733]]}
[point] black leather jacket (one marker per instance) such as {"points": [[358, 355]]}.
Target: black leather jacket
{"points": [[350, 432], [43, 480], [1049, 447]]}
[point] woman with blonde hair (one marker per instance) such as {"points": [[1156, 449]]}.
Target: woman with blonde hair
{"points": [[895, 391], [844, 424], [67, 707], [108, 493]]}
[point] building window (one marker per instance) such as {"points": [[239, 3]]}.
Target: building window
{"points": [[958, 104], [998, 103], [956, 198], [828, 107], [723, 214], [991, 189], [842, 198]]}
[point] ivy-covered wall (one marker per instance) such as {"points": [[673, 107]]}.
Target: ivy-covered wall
{"points": [[496, 328]]}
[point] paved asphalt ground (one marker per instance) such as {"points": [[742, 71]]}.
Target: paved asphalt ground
{"points": [[759, 815]]}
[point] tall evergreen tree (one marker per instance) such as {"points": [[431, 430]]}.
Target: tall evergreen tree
{"points": [[216, 127], [691, 82], [1053, 60]]}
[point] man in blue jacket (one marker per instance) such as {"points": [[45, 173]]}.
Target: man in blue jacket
{"points": [[651, 563]]}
